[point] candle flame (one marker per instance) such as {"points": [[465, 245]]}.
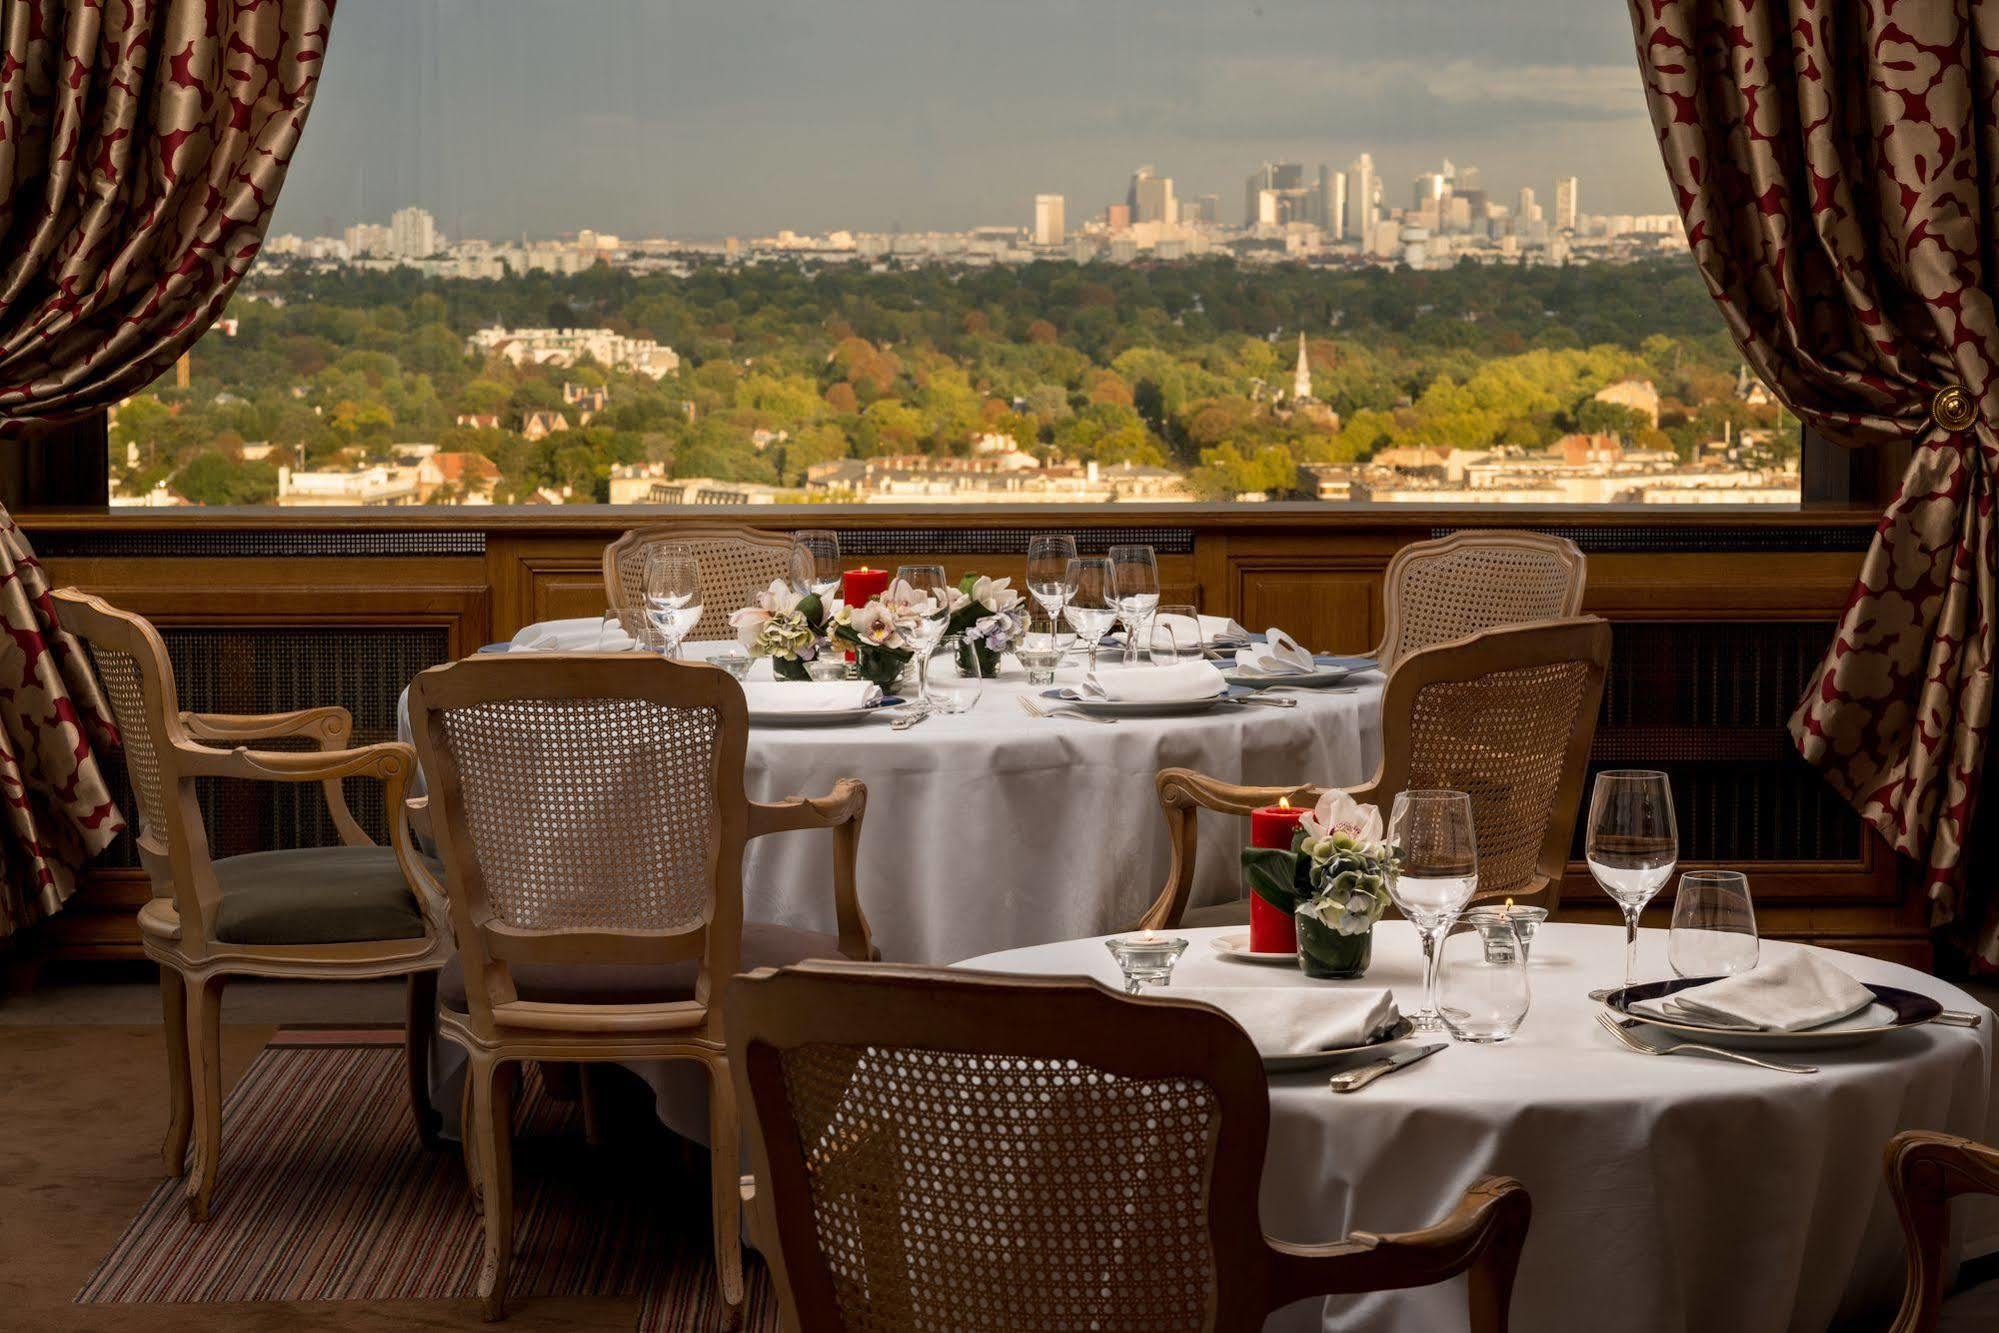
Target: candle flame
{"points": [[1284, 803], [1509, 907]]}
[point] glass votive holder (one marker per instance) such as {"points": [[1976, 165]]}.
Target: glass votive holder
{"points": [[826, 666], [735, 663], [1146, 959], [1040, 654], [1523, 920]]}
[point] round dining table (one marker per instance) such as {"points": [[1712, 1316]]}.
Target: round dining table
{"points": [[1680, 1194]]}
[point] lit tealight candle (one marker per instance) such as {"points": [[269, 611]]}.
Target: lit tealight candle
{"points": [[1146, 959]]}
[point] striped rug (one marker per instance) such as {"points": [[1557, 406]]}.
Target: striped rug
{"points": [[326, 1195]]}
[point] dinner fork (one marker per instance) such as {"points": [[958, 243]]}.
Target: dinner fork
{"points": [[1035, 708], [1643, 1047]]}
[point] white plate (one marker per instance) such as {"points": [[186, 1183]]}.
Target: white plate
{"points": [[1291, 1064], [831, 717], [1139, 708], [1893, 1010], [1309, 680], [1235, 948]]}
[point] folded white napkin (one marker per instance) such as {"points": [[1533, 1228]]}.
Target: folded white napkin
{"points": [[583, 634], [808, 696], [1278, 655], [1222, 629], [1155, 684], [1800, 990], [1297, 1020]]}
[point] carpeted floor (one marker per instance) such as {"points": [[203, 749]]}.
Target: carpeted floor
{"points": [[613, 1237]]}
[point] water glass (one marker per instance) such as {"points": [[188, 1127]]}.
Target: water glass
{"points": [[1632, 845], [953, 691], [1176, 635], [1483, 991], [1048, 579], [1041, 647], [1135, 577], [1092, 608], [815, 562], [1714, 925], [1437, 873], [672, 584]]}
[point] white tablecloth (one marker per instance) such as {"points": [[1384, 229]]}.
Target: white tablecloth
{"points": [[993, 829], [1671, 1195]]}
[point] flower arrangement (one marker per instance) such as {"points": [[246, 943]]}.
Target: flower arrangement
{"points": [[989, 617], [1334, 880], [783, 625], [879, 631]]}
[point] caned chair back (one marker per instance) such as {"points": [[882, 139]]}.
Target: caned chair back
{"points": [[736, 564], [589, 809], [1438, 591], [969, 1152]]}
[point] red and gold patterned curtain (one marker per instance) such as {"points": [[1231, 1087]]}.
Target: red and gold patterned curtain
{"points": [[1837, 164], [142, 144]]}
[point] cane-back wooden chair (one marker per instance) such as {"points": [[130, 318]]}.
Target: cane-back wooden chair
{"points": [[737, 563], [1439, 591], [1506, 716], [1003, 1154], [591, 814], [1925, 1171], [321, 913]]}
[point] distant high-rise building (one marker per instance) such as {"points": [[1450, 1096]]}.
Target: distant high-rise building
{"points": [[1206, 209], [412, 233], [1150, 197], [368, 238], [1362, 187], [1530, 210], [1287, 179], [1048, 228], [1567, 209], [1117, 217]]}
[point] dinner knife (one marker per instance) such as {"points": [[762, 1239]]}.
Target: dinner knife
{"points": [[1355, 1079]]}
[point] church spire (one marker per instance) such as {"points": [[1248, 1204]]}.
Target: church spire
{"points": [[1301, 384]]}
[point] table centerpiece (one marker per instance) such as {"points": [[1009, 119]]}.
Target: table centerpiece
{"points": [[1334, 880], [989, 617]]}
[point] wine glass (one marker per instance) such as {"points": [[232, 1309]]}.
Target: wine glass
{"points": [[1092, 607], [1136, 572], [1048, 579], [923, 585], [1632, 845], [672, 593], [815, 562], [1437, 852], [1714, 925]]}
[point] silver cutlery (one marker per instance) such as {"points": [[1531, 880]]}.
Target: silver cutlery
{"points": [[1957, 1018], [1035, 708], [908, 720], [1254, 701], [1353, 1080], [1633, 1042]]}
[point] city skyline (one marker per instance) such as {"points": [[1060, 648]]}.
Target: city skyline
{"points": [[512, 116]]}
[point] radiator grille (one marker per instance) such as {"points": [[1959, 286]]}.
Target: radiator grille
{"points": [[274, 670], [1708, 703], [1629, 538]]}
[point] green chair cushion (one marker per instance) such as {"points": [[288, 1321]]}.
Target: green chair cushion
{"points": [[315, 895], [640, 983]]}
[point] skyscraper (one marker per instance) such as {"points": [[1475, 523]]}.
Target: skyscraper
{"points": [[1530, 210], [1048, 228], [1151, 197], [412, 233], [1361, 189], [1333, 203], [1567, 210]]}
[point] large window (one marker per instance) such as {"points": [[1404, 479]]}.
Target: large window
{"points": [[701, 251]]}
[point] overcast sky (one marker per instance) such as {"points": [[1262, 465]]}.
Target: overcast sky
{"points": [[698, 118]]}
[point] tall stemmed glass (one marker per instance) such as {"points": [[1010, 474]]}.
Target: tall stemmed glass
{"points": [[1137, 577], [923, 585], [1048, 577], [815, 562], [1437, 855], [672, 593], [1632, 845], [1092, 607]]}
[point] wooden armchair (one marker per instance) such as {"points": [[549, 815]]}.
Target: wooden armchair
{"points": [[1506, 716], [924, 1142], [325, 913], [1925, 1171], [1439, 591], [590, 810], [736, 564]]}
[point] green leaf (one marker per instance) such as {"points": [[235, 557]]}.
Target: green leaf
{"points": [[814, 612], [788, 668], [1272, 874]]}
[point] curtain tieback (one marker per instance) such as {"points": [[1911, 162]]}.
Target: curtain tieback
{"points": [[1953, 407]]}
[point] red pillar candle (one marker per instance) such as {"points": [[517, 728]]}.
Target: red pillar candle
{"points": [[1272, 931], [859, 586]]}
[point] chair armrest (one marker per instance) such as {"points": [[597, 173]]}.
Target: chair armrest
{"points": [[840, 810], [331, 726], [1482, 1237], [383, 760], [1925, 1171]]}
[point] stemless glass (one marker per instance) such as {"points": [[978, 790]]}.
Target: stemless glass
{"points": [[1092, 607], [1048, 577], [672, 593], [815, 562], [1135, 572], [1437, 851], [1714, 925], [923, 582], [1482, 991], [1040, 648], [1632, 845], [1176, 634]]}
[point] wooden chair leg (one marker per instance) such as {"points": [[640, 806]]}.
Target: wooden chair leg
{"points": [[204, 1041], [492, 1098], [180, 1090], [725, 1169], [419, 1039], [468, 1134]]}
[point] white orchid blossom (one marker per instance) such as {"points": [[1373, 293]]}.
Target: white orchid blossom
{"points": [[996, 595], [879, 624], [1340, 823]]}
